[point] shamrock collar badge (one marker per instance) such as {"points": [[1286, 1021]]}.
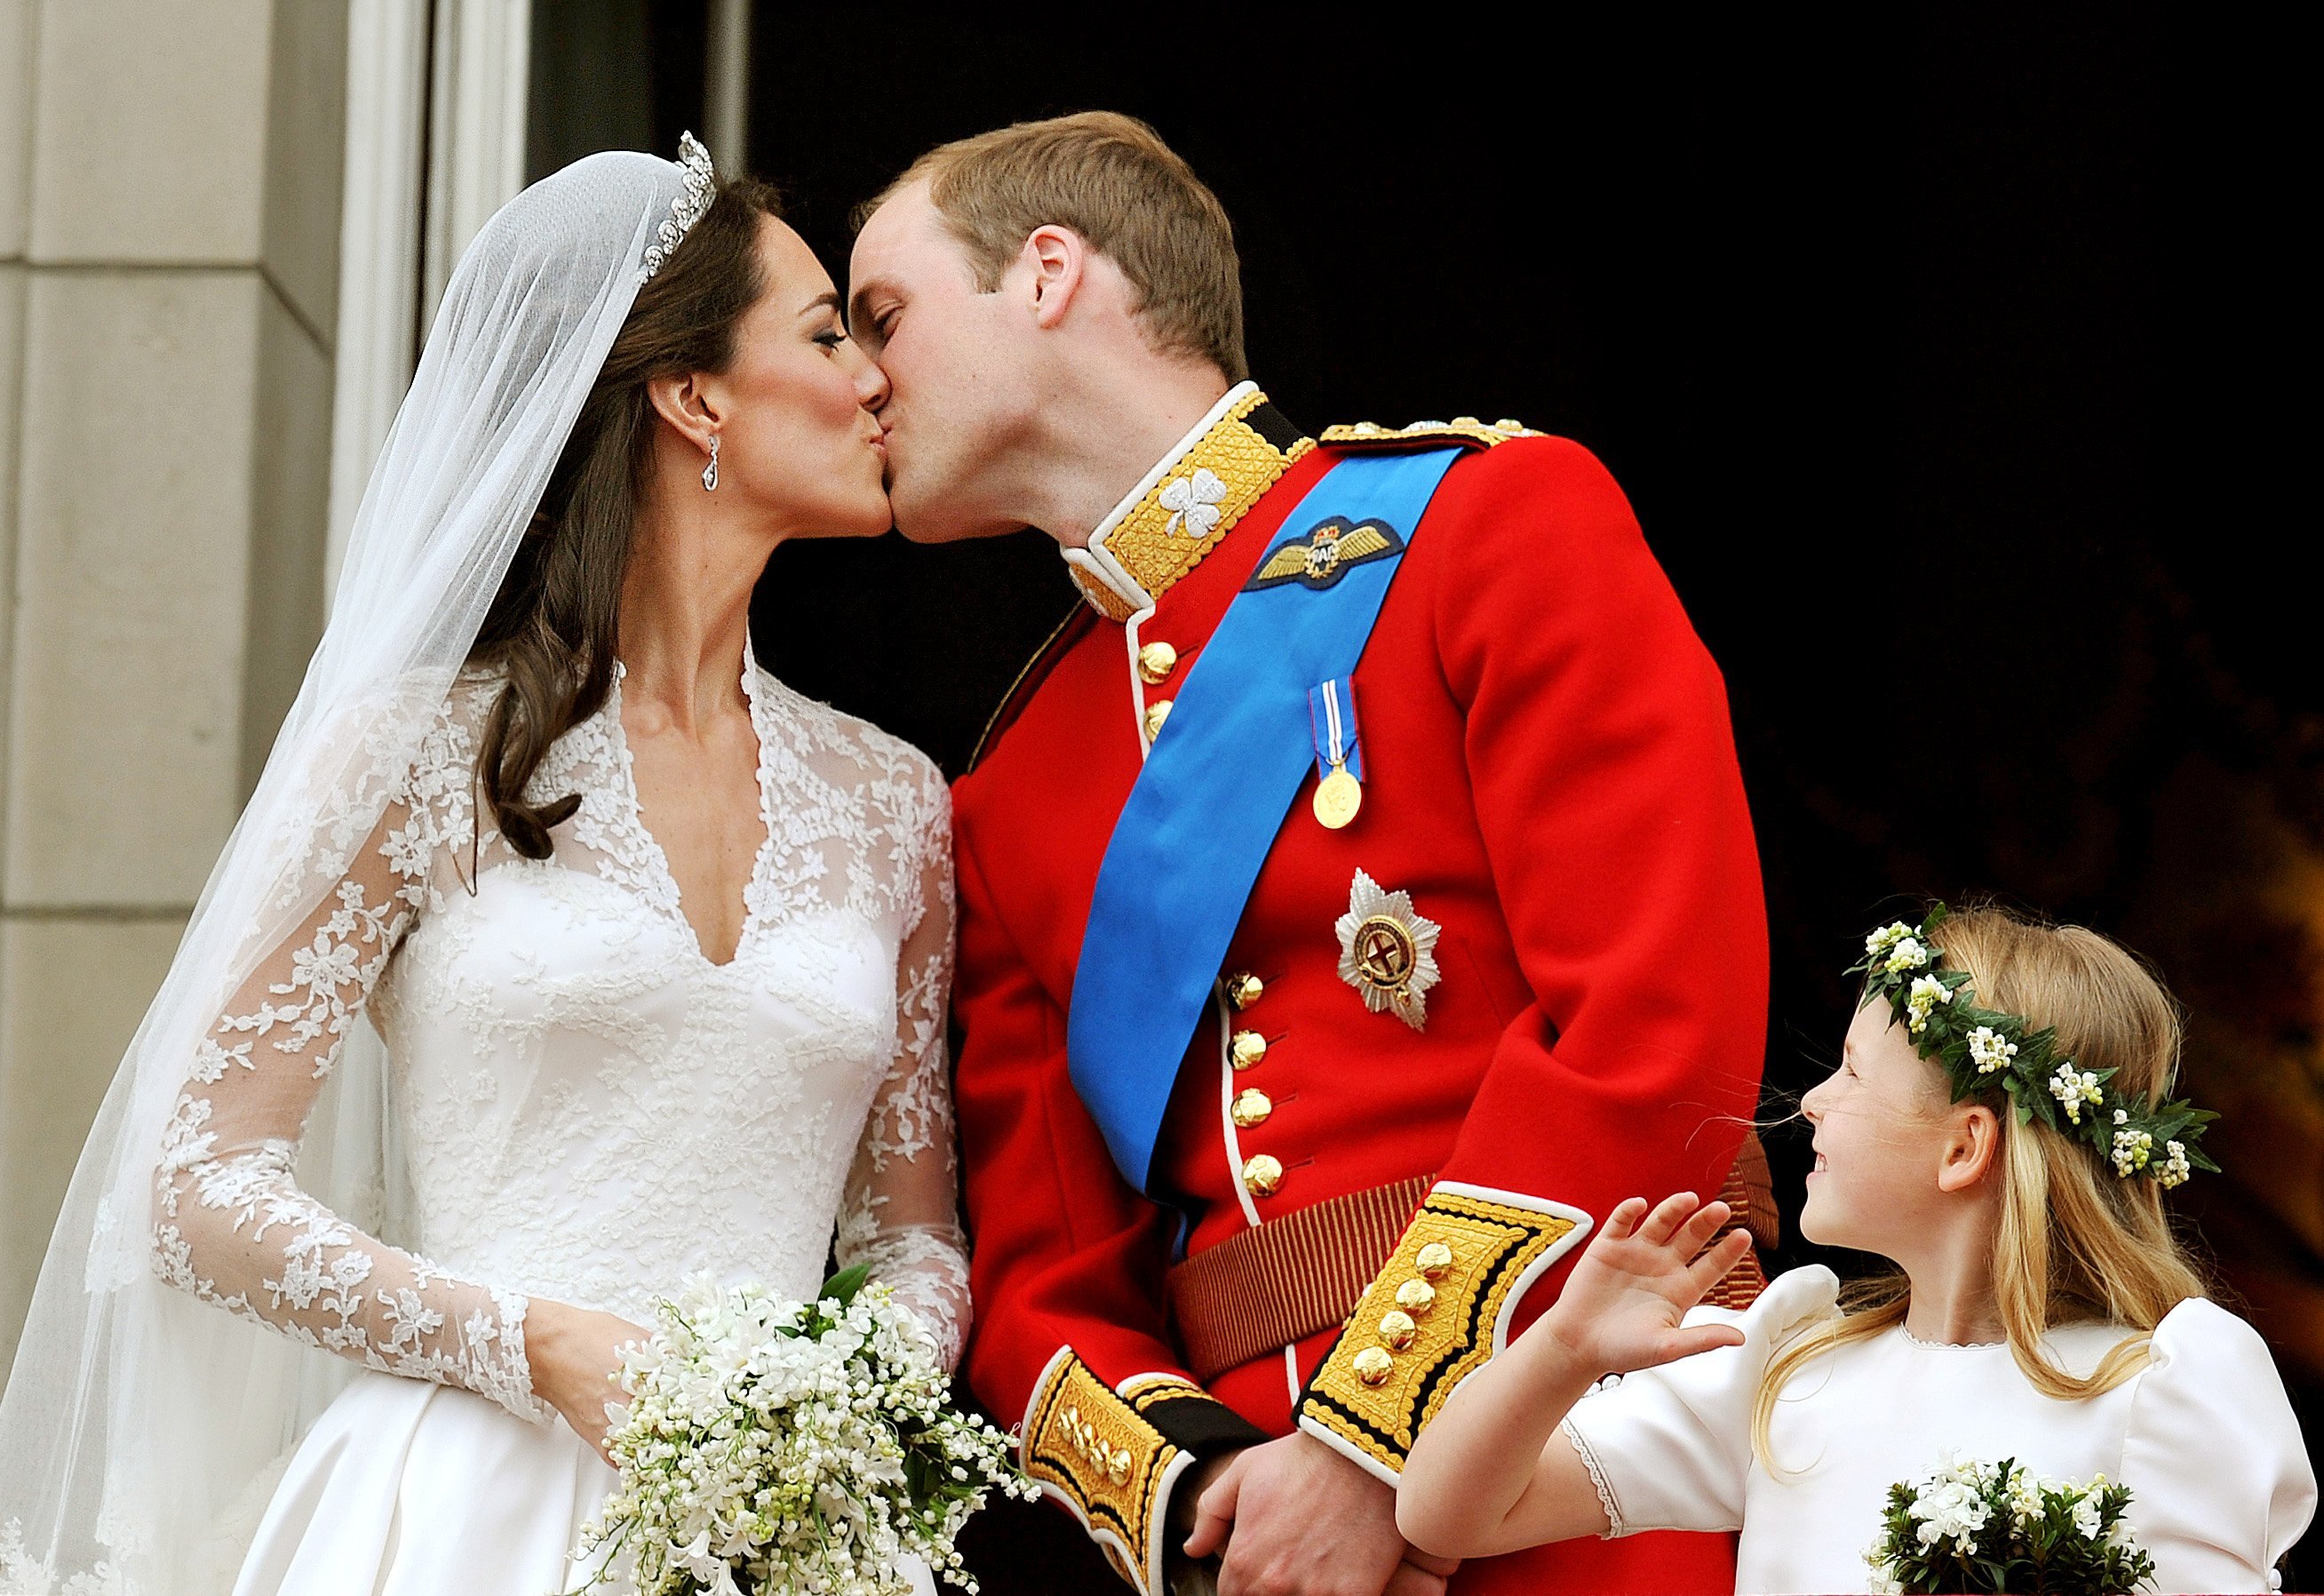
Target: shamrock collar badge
{"points": [[1387, 952], [1192, 502]]}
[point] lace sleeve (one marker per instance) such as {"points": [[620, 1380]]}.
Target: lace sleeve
{"points": [[900, 1214], [231, 1224]]}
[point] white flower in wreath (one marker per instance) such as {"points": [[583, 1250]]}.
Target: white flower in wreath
{"points": [[1990, 1049], [1908, 953], [2073, 1087], [2175, 1167], [1387, 952], [1886, 937], [1924, 994], [1193, 503]]}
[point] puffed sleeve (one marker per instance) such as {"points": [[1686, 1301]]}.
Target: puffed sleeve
{"points": [[1669, 1448], [2219, 1479]]}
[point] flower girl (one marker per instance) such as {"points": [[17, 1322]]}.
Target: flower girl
{"points": [[1999, 1128]]}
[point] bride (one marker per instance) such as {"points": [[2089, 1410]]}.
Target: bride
{"points": [[658, 951]]}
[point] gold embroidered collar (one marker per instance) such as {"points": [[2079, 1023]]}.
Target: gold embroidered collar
{"points": [[1187, 505]]}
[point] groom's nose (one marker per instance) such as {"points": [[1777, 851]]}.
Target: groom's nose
{"points": [[871, 382]]}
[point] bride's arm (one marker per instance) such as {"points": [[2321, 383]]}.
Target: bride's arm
{"points": [[231, 1224], [900, 1214]]}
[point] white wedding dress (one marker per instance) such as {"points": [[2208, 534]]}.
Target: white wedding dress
{"points": [[2203, 1434], [585, 1109]]}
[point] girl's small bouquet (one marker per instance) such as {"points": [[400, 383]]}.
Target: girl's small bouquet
{"points": [[772, 1448], [1977, 1527]]}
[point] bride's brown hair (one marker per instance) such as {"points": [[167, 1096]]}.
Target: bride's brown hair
{"points": [[2075, 1241], [553, 627]]}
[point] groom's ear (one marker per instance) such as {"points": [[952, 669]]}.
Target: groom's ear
{"points": [[1056, 258]]}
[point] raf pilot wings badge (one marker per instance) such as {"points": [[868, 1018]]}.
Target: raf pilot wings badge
{"points": [[1326, 553]]}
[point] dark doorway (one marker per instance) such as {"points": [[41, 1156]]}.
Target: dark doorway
{"points": [[1881, 324]]}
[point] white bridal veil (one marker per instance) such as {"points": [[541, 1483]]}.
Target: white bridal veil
{"points": [[142, 1429]]}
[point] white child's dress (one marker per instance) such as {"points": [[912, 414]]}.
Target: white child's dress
{"points": [[2204, 1437]]}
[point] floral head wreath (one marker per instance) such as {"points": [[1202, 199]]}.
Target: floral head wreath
{"points": [[1982, 1048]]}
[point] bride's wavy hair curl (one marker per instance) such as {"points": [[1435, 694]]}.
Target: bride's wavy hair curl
{"points": [[554, 626]]}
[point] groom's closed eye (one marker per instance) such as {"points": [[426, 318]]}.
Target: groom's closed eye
{"points": [[868, 320]]}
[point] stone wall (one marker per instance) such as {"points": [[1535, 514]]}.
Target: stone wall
{"points": [[170, 184]]}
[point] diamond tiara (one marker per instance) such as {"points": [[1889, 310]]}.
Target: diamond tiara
{"points": [[700, 186]]}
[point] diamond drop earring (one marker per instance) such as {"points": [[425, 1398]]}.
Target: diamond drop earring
{"points": [[710, 472]]}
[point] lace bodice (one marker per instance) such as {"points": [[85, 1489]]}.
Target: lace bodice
{"points": [[585, 1107]]}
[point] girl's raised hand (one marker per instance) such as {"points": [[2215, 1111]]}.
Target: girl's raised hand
{"points": [[1622, 1308]]}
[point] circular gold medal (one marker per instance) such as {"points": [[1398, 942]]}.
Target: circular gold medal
{"points": [[1338, 797]]}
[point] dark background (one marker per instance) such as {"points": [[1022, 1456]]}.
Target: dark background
{"points": [[1940, 355]]}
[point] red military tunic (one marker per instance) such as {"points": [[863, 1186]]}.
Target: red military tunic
{"points": [[1550, 776]]}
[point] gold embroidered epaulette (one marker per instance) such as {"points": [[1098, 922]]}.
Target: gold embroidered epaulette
{"points": [[1464, 430], [1435, 1312], [1095, 1449]]}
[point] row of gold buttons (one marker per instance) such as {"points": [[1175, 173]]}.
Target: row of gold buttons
{"points": [[1082, 1435], [1262, 1172], [1401, 1325], [1156, 662]]}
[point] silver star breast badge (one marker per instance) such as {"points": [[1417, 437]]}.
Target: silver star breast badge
{"points": [[1387, 952]]}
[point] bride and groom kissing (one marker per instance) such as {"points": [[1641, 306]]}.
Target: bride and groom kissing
{"points": [[1354, 897]]}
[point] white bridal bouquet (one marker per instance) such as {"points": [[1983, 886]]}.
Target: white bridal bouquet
{"points": [[1977, 1526], [773, 1448]]}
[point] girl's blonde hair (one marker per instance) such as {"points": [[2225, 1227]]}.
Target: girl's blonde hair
{"points": [[2075, 1242]]}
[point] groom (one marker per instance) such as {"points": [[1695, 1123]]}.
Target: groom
{"points": [[1357, 894]]}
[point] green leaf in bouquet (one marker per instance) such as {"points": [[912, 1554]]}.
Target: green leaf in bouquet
{"points": [[846, 1285]]}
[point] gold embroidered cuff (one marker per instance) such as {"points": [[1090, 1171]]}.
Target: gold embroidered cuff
{"points": [[1435, 1312], [1093, 1450]]}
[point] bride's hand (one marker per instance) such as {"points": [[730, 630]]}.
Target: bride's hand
{"points": [[1622, 1308], [576, 1357]]}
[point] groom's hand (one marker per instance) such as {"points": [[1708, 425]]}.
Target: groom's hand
{"points": [[1295, 1518]]}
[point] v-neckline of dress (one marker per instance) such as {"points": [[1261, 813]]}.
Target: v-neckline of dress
{"points": [[656, 860]]}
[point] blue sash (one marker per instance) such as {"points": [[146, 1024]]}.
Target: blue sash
{"points": [[1205, 812]]}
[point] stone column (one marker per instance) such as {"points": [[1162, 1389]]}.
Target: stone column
{"points": [[170, 180]]}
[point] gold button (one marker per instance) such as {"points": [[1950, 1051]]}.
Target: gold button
{"points": [[1156, 713], [1117, 1468], [1416, 1296], [1434, 1260], [1252, 1107], [1244, 989], [1373, 1366], [1262, 1172], [1397, 1329], [1246, 1049], [1509, 424], [1156, 662], [1464, 422]]}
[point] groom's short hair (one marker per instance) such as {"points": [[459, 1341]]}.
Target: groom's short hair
{"points": [[1111, 178]]}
